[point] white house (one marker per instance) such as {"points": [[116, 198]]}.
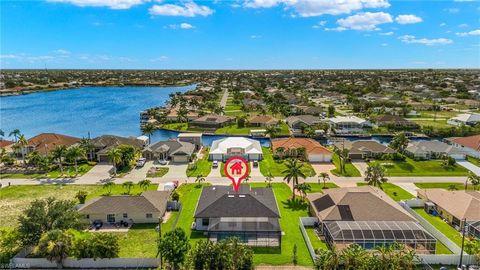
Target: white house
{"points": [[465, 119], [223, 149], [349, 124]]}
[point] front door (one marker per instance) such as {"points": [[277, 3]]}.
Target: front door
{"points": [[111, 218]]}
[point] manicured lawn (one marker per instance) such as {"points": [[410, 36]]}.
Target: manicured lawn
{"points": [[139, 242], [395, 192], [201, 167], [159, 172], [316, 187], [69, 171], [118, 189], [270, 166], [410, 167], [474, 161], [442, 226], [350, 170], [284, 131], [234, 130], [180, 127], [290, 213], [442, 249], [458, 186], [440, 123], [316, 242]]}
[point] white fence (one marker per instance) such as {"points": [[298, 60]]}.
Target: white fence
{"points": [[447, 259], [308, 222], [429, 227], [85, 263]]}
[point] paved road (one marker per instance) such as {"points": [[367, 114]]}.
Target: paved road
{"points": [[472, 167], [223, 101]]}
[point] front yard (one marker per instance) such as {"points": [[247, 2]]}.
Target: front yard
{"points": [[270, 166], [410, 167], [201, 167], [393, 191], [350, 170], [458, 186]]}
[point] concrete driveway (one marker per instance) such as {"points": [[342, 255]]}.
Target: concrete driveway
{"points": [[475, 169], [138, 174], [361, 166], [178, 170], [255, 171], [99, 172], [322, 167]]}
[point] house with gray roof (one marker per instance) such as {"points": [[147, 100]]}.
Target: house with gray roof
{"points": [[364, 149], [174, 150], [145, 208], [251, 214], [212, 121], [103, 144], [433, 150]]}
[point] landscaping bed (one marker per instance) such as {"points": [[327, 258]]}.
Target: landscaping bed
{"points": [[157, 171]]}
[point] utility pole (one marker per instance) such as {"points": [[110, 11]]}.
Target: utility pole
{"points": [[463, 243], [160, 221]]}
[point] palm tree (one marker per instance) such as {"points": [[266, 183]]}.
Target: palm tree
{"points": [[303, 188], [399, 142], [44, 164], [74, 153], [15, 133], [324, 177], [474, 179], [292, 172], [88, 146], [148, 129], [145, 184], [58, 154], [128, 186], [342, 157], [354, 257], [375, 175], [115, 156], [57, 251], [326, 259], [22, 142], [452, 187], [199, 180], [271, 131], [108, 186], [34, 158], [269, 180], [81, 196]]}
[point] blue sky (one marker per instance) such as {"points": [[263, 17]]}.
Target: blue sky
{"points": [[243, 34]]}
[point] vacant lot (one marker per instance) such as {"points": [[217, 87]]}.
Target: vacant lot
{"points": [[410, 167]]}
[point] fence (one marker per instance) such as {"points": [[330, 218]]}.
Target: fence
{"points": [[308, 222], [429, 227], [447, 259], [34, 263]]}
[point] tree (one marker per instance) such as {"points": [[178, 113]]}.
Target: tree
{"points": [[59, 154], [303, 188], [145, 184], [129, 154], [292, 172], [34, 158], [472, 247], [324, 177], [326, 259], [375, 175], [10, 244], [87, 145], [269, 180], [272, 131], [15, 134], [353, 257], [55, 245], [22, 142], [474, 180], [75, 153], [148, 129], [199, 180], [448, 161], [108, 186], [294, 255], [343, 155], [81, 196], [128, 186], [173, 247], [45, 215], [96, 245], [115, 156], [399, 142], [225, 254], [331, 111], [452, 187], [175, 196]]}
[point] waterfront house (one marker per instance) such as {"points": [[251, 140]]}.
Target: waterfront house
{"points": [[45, 143], [467, 119], [368, 217], [212, 121], [470, 144], [433, 150], [349, 124], [454, 207], [195, 138], [223, 149], [104, 143], [364, 149], [251, 214], [145, 208], [395, 121], [174, 150], [314, 151], [172, 115], [309, 110], [296, 123], [262, 121]]}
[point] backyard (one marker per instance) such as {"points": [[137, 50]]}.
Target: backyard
{"points": [[393, 191], [410, 167], [270, 166], [316, 242], [350, 169], [441, 225]]}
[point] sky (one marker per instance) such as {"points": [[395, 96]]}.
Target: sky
{"points": [[239, 34]]}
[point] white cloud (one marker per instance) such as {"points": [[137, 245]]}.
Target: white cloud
{"points": [[336, 29], [463, 25], [319, 24], [384, 44], [408, 19], [181, 26], [443, 24], [386, 33], [61, 51], [310, 8], [471, 33], [367, 21], [255, 36], [113, 4], [8, 56], [453, 10], [159, 59], [188, 9], [436, 41]]}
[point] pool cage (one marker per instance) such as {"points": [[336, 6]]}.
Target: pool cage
{"points": [[473, 228], [372, 234]]}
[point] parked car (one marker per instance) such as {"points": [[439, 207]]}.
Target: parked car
{"points": [[215, 164], [255, 164], [97, 224], [141, 162], [169, 186], [162, 162]]}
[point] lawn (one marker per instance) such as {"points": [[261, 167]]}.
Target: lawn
{"points": [[316, 242], [474, 161], [201, 167], [159, 171], [118, 189], [458, 186], [395, 192], [316, 187], [139, 242], [69, 171], [442, 226], [410, 167], [440, 123], [350, 170], [270, 166], [233, 130]]}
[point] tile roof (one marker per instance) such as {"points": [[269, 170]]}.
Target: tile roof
{"points": [[470, 141], [46, 142], [311, 146]]}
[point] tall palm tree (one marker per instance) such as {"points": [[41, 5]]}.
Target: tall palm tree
{"points": [[324, 177], [108, 186], [199, 180], [22, 142], [145, 184], [88, 146], [59, 154], [303, 188], [342, 157], [292, 172], [15, 133], [115, 156], [271, 131], [34, 158], [148, 129], [375, 175], [354, 257], [74, 153], [128, 186]]}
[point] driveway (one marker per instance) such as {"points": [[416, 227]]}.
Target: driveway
{"points": [[322, 167], [255, 171], [361, 166], [475, 169], [176, 170], [138, 174], [99, 172]]}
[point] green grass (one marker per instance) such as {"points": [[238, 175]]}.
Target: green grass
{"points": [[410, 167], [441, 225], [233, 130], [395, 192], [284, 131], [440, 123], [202, 167], [118, 189], [159, 172], [474, 161], [316, 242], [69, 171], [350, 170], [139, 242], [442, 249], [276, 167], [316, 187], [458, 186], [290, 213]]}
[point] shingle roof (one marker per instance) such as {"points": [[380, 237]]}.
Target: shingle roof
{"points": [[173, 147], [106, 142], [213, 118], [307, 119], [432, 146], [262, 119], [358, 147], [461, 204], [223, 201]]}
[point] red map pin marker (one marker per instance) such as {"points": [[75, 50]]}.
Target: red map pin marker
{"points": [[236, 169]]}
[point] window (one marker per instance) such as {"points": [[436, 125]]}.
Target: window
{"points": [[87, 216], [149, 215], [125, 215], [205, 221], [111, 218]]}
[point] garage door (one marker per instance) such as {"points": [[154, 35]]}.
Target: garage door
{"points": [[180, 159], [319, 158], [458, 156]]}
